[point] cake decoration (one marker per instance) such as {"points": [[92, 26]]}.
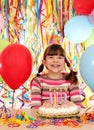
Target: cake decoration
{"points": [[58, 106]]}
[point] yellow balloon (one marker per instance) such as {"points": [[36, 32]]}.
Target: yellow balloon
{"points": [[90, 40], [88, 93], [3, 43], [1, 80]]}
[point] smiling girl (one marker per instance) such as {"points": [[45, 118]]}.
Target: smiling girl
{"points": [[55, 80]]}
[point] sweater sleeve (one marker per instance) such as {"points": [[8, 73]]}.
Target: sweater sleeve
{"points": [[35, 87], [75, 94]]}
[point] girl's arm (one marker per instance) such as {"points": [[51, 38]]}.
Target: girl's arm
{"points": [[35, 87], [75, 94]]}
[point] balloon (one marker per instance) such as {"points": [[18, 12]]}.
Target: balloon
{"points": [[1, 21], [90, 40], [87, 66], [83, 7], [1, 80], [16, 65], [91, 16], [78, 29], [3, 44]]}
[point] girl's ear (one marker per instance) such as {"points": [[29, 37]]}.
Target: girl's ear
{"points": [[43, 62]]}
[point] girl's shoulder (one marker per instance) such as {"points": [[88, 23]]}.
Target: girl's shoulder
{"points": [[65, 74], [43, 76]]}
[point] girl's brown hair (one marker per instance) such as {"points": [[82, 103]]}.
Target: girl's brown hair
{"points": [[56, 49]]}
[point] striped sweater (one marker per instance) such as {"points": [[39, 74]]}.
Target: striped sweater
{"points": [[43, 89]]}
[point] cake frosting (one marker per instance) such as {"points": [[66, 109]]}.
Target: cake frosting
{"points": [[57, 110]]}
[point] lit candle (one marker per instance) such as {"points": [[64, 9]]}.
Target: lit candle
{"points": [[60, 96], [57, 95], [51, 100], [54, 96], [65, 97]]}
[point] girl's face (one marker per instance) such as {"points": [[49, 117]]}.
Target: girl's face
{"points": [[54, 63]]}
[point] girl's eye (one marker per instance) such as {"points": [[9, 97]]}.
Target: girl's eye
{"points": [[61, 57], [50, 56]]}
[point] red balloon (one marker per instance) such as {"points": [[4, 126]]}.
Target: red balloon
{"points": [[16, 65], [83, 7]]}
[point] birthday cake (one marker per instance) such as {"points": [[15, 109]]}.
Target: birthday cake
{"points": [[67, 109]]}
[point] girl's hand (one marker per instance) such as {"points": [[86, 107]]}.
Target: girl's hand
{"points": [[34, 112]]}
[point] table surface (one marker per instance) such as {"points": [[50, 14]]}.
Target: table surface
{"points": [[23, 127], [48, 127]]}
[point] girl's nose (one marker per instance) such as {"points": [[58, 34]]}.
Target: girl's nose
{"points": [[55, 59]]}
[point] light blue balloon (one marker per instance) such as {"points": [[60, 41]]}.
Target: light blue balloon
{"points": [[87, 66], [78, 29]]}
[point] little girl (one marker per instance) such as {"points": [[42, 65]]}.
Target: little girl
{"points": [[55, 80]]}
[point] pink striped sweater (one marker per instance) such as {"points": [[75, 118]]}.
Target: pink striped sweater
{"points": [[42, 88]]}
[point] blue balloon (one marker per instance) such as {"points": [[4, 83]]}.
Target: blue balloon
{"points": [[78, 29], [87, 66]]}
